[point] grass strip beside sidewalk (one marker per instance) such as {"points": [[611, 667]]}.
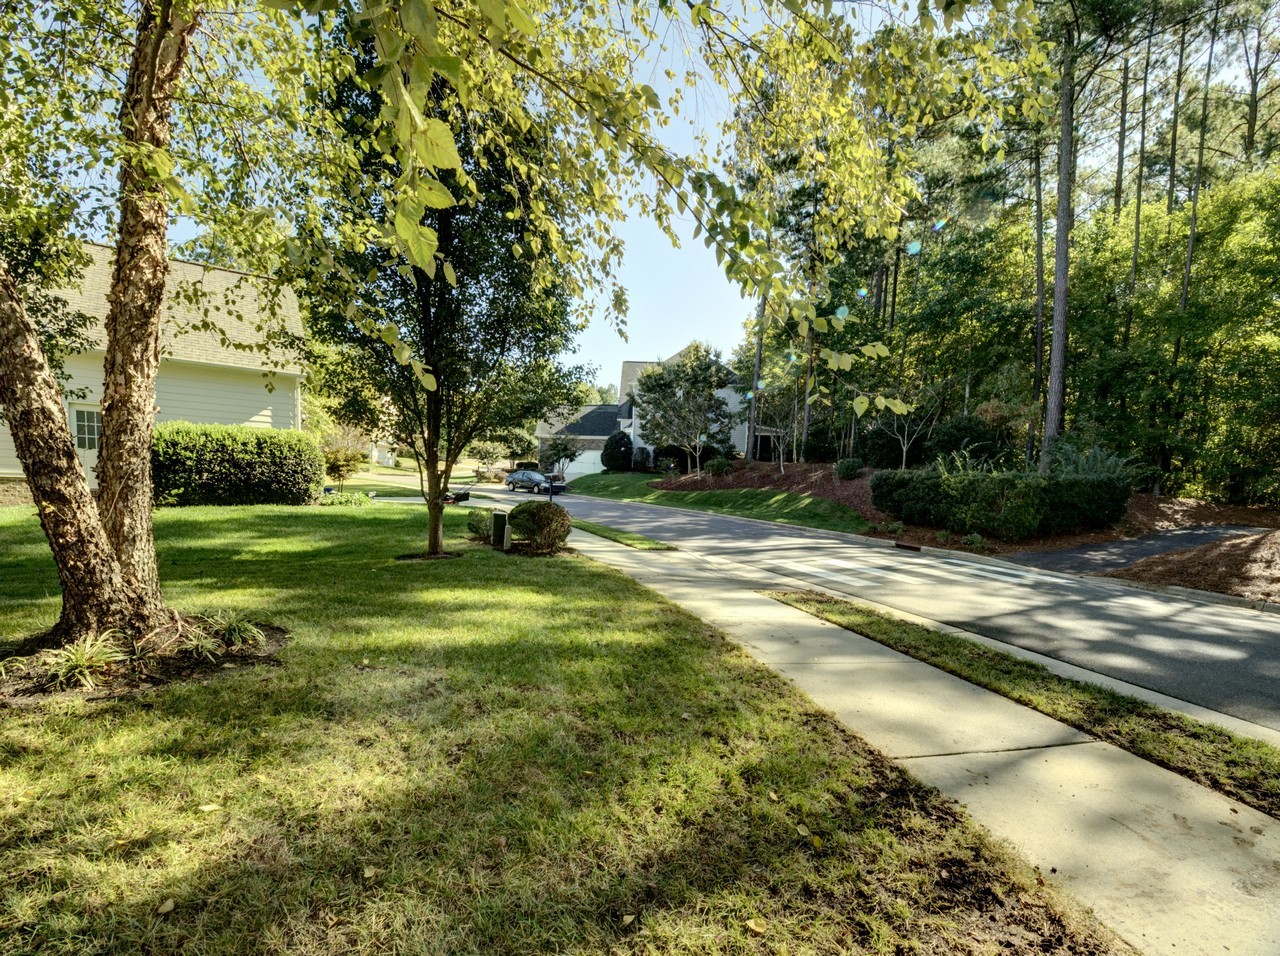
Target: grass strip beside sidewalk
{"points": [[637, 541], [486, 753], [1239, 767], [783, 507]]}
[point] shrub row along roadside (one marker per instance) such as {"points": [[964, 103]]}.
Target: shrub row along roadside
{"points": [[1238, 767], [805, 511], [491, 754]]}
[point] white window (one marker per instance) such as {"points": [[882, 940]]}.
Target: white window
{"points": [[88, 428]]}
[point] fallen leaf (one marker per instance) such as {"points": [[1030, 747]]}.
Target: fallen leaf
{"points": [[817, 843], [757, 926], [686, 716], [802, 829], [773, 796], [370, 872], [167, 906], [628, 919], [209, 807]]}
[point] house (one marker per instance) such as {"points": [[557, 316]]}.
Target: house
{"points": [[222, 375], [593, 424]]}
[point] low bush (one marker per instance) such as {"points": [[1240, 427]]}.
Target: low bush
{"points": [[820, 446], [543, 524], [345, 499], [617, 452], [1011, 505], [480, 524], [640, 459], [233, 465], [848, 468], [718, 467], [526, 466]]}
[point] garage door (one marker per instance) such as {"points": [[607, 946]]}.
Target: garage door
{"points": [[587, 463]]}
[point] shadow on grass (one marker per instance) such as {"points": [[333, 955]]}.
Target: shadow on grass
{"points": [[489, 755]]}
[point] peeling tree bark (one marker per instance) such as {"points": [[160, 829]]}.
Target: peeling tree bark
{"points": [[134, 302], [95, 596]]}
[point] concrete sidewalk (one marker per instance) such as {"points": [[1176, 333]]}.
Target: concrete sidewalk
{"points": [[1171, 866]]}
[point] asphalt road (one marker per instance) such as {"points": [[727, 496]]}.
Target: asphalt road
{"points": [[1220, 657]]}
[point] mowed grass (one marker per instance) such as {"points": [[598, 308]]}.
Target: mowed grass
{"points": [[486, 754], [638, 541], [805, 511], [1240, 767]]}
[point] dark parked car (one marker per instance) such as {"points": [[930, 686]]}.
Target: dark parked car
{"points": [[536, 482]]}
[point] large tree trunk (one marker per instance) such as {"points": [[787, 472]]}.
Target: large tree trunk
{"points": [[1124, 116], [137, 291], [1173, 132], [1137, 205], [95, 596], [1038, 382], [1056, 399], [1195, 184]]}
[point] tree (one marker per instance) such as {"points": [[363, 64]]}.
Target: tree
{"points": [[617, 452], [579, 76], [559, 453], [485, 453], [679, 404]]}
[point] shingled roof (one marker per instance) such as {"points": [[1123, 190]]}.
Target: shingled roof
{"points": [[212, 316], [595, 421]]}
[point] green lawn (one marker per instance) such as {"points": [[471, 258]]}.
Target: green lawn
{"points": [[1242, 768], [805, 511], [638, 541], [488, 754]]}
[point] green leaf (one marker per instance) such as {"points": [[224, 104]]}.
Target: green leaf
{"points": [[521, 20], [860, 405], [449, 275], [435, 145]]}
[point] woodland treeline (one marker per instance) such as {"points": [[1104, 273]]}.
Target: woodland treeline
{"points": [[1146, 250]]}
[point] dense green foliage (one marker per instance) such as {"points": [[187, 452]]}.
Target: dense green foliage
{"points": [[233, 465], [480, 523], [1011, 505], [544, 525], [617, 452]]}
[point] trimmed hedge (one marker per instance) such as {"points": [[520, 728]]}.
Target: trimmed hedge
{"points": [[543, 524], [233, 465], [1009, 505], [617, 451], [718, 467], [847, 469]]}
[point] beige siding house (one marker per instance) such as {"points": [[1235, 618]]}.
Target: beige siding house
{"points": [[216, 366]]}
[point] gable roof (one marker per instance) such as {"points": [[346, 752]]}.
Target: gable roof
{"points": [[593, 421], [211, 316]]}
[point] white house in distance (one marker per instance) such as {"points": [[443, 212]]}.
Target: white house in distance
{"points": [[204, 377], [593, 424]]}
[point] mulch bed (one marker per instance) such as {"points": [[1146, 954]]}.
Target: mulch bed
{"points": [[1247, 567]]}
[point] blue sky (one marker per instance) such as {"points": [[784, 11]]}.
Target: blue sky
{"points": [[675, 295]]}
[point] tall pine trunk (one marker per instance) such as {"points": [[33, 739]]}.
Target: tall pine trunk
{"points": [[1137, 203], [1173, 132], [1038, 382], [1057, 389], [1124, 116]]}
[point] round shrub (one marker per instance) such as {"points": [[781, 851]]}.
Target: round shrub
{"points": [[617, 452], [480, 523], [718, 467], [640, 459], [234, 465], [543, 524], [848, 468]]}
